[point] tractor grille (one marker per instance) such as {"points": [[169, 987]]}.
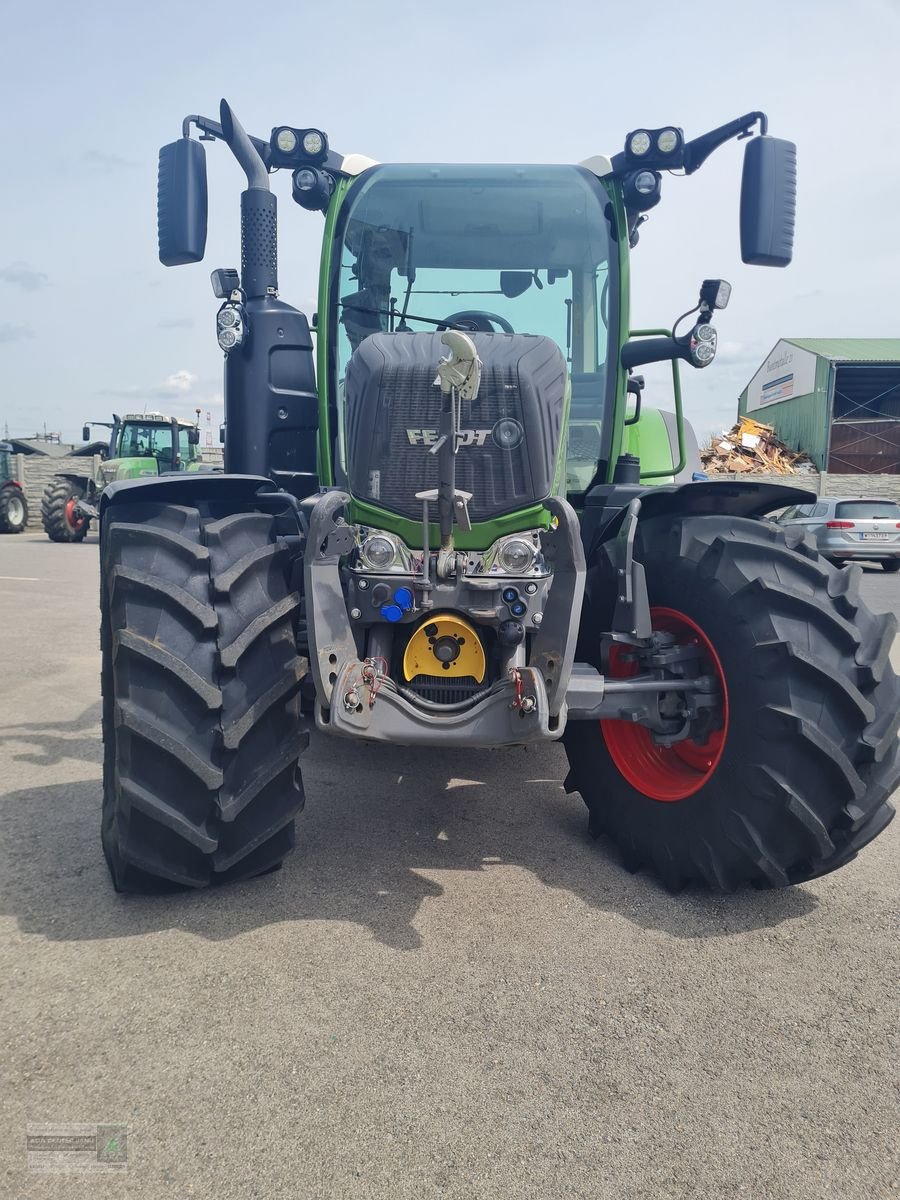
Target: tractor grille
{"points": [[451, 691], [393, 415]]}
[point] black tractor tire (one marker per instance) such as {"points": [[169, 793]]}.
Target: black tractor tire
{"points": [[810, 754], [201, 712], [13, 509], [891, 565], [56, 509]]}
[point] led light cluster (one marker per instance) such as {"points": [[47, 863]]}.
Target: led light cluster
{"points": [[290, 146], [704, 341], [662, 141], [231, 326]]}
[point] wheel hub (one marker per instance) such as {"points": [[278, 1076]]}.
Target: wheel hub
{"points": [[667, 773], [72, 519]]}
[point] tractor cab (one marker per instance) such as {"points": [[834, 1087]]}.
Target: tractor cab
{"points": [[487, 249], [150, 444]]}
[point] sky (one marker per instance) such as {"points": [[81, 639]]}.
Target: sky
{"points": [[90, 322]]}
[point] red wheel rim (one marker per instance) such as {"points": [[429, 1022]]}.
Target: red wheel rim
{"points": [[666, 773], [71, 520]]}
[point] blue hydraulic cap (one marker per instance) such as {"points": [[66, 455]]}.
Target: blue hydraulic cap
{"points": [[518, 609], [391, 612], [510, 595], [403, 598]]}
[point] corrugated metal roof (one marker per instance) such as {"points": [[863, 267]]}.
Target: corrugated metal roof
{"points": [[851, 349]]}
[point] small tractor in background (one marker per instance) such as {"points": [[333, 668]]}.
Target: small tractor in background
{"points": [[141, 445], [13, 505], [454, 525]]}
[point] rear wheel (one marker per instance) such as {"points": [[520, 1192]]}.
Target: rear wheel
{"points": [[891, 565], [795, 776], [61, 524], [13, 509], [201, 717]]}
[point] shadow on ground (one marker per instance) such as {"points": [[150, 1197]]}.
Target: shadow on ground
{"points": [[378, 822]]}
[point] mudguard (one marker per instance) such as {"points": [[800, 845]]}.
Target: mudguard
{"points": [[605, 505], [185, 488]]}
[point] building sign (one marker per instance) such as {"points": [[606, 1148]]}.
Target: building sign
{"points": [[787, 372]]}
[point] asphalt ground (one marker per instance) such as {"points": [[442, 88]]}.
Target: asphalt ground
{"points": [[449, 990]]}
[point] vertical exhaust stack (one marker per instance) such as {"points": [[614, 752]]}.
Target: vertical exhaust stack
{"points": [[259, 212]]}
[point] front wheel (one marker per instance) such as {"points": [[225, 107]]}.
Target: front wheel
{"points": [[61, 522], [13, 509], [201, 714], [792, 776]]}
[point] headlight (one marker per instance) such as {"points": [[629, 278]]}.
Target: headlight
{"points": [[646, 182], [305, 179], [227, 318], [516, 555], [379, 552]]}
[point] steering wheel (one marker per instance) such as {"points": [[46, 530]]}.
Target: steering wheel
{"points": [[477, 321]]}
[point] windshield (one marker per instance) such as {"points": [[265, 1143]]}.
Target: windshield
{"points": [[149, 440], [490, 248]]}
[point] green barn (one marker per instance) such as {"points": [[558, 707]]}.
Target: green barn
{"points": [[836, 398]]}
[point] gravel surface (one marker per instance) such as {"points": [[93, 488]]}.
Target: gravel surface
{"points": [[448, 991]]}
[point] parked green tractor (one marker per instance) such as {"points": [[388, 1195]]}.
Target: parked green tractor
{"points": [[141, 445], [461, 528], [13, 505]]}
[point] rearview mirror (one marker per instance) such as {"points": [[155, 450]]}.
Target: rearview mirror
{"points": [[181, 203], [86, 433], [194, 437], [515, 283], [768, 201]]}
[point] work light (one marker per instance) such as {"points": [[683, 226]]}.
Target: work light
{"points": [[703, 345], [639, 143], [667, 141], [314, 143], [231, 327], [286, 141]]}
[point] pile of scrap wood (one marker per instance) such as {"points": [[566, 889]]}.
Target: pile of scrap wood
{"points": [[752, 446]]}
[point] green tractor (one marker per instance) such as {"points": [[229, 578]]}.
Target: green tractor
{"points": [[141, 445], [452, 524]]}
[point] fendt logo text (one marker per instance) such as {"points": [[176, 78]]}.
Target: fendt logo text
{"points": [[428, 437]]}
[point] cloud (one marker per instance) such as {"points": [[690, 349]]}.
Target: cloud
{"points": [[22, 275], [176, 323], [176, 384], [105, 163], [14, 333]]}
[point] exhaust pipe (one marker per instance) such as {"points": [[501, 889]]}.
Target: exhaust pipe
{"points": [[259, 208]]}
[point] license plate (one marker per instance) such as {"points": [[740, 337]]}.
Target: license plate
{"points": [[874, 537]]}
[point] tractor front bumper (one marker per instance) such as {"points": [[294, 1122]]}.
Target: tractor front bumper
{"points": [[356, 695]]}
